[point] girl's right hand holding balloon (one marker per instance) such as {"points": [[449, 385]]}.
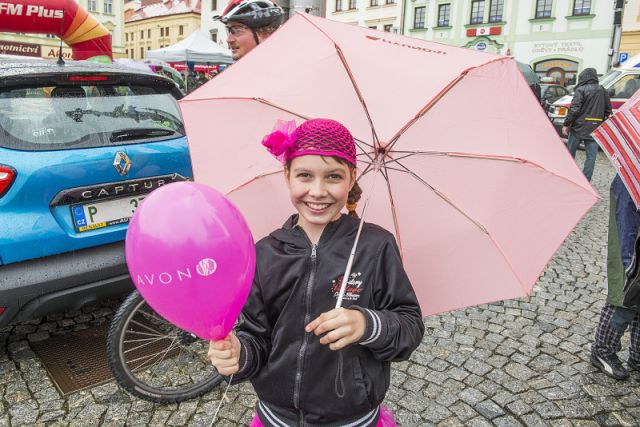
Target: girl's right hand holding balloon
{"points": [[225, 354]]}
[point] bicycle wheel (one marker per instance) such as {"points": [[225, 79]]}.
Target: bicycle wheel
{"points": [[155, 360]]}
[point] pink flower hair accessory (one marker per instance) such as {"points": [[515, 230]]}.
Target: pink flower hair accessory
{"points": [[281, 140]]}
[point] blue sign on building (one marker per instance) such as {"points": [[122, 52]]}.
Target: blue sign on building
{"points": [[623, 56]]}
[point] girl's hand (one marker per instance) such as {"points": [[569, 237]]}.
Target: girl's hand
{"points": [[342, 325], [225, 354]]}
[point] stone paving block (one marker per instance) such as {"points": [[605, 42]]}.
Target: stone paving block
{"points": [[506, 421], [24, 413], [434, 412]]}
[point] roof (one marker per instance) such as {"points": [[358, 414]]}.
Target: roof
{"points": [[165, 8], [12, 66]]}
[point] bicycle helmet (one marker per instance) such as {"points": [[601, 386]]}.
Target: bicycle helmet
{"points": [[252, 13]]}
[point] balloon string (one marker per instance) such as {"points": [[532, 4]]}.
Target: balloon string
{"points": [[224, 396]]}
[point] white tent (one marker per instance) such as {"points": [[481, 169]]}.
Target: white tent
{"points": [[195, 48]]}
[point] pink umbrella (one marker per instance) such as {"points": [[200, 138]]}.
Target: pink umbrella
{"points": [[619, 137], [471, 177]]}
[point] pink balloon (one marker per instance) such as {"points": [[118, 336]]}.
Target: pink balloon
{"points": [[191, 255]]}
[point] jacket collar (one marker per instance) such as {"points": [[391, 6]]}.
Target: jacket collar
{"points": [[292, 233]]}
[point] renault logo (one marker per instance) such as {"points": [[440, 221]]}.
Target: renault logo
{"points": [[122, 163]]}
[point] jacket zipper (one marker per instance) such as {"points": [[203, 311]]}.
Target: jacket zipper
{"points": [[632, 272], [303, 347]]}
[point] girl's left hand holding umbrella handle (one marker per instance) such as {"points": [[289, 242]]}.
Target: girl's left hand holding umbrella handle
{"points": [[342, 327], [225, 354]]}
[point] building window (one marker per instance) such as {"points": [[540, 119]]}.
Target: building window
{"points": [[374, 2], [181, 30], [108, 7], [418, 17], [148, 34], [352, 4], [126, 38], [477, 12], [214, 37], [338, 5], [581, 7], [388, 27], [166, 31], [543, 8], [373, 27], [142, 53], [92, 5], [444, 14], [390, 1], [495, 10], [214, 4], [161, 32], [127, 50], [141, 34]]}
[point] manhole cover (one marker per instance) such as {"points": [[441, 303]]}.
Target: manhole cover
{"points": [[78, 360]]}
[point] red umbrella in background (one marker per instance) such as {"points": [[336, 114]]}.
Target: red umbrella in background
{"points": [[619, 137]]}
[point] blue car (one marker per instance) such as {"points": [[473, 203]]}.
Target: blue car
{"points": [[81, 144]]}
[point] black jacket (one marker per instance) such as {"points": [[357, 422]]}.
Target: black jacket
{"points": [[298, 380], [590, 105]]}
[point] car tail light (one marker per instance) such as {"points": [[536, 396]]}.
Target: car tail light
{"points": [[88, 78], [7, 176], [2, 310]]}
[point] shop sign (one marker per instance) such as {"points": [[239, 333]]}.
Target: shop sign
{"points": [[52, 53], [481, 46], [23, 49], [556, 63], [558, 47]]}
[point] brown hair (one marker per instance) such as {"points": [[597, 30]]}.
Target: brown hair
{"points": [[354, 194]]}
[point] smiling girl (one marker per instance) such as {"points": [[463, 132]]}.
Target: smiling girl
{"points": [[310, 364]]}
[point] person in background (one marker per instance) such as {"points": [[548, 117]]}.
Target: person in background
{"points": [[623, 272], [589, 108], [249, 22]]}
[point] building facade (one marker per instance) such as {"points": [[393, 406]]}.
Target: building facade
{"points": [[109, 13], [383, 15], [558, 38], [159, 24], [630, 41], [215, 29]]}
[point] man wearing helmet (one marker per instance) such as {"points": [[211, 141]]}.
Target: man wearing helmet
{"points": [[248, 23]]}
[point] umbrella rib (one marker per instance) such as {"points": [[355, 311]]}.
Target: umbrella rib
{"points": [[385, 174], [437, 98], [363, 150], [358, 92], [270, 104], [351, 78], [252, 180], [443, 197], [426, 108]]}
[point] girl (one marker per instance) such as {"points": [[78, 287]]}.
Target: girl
{"points": [[310, 364]]}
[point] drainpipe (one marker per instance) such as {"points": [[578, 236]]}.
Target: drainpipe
{"points": [[617, 33], [403, 4]]}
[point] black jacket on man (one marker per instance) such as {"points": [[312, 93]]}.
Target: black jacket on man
{"points": [[590, 105], [298, 380]]}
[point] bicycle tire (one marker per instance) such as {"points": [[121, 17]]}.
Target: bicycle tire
{"points": [[157, 382]]}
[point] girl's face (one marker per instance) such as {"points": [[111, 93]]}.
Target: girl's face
{"points": [[318, 187]]}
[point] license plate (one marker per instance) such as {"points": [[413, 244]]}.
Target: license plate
{"points": [[92, 216]]}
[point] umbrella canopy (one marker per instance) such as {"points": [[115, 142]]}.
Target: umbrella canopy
{"points": [[470, 175], [619, 138], [195, 48]]}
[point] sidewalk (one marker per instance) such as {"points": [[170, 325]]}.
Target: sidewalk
{"points": [[522, 362]]}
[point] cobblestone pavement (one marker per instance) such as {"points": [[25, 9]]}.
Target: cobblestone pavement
{"points": [[521, 362]]}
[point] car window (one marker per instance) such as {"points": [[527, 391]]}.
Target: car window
{"points": [[625, 87], [61, 117]]}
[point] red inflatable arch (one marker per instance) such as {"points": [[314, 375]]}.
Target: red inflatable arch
{"points": [[87, 38]]}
